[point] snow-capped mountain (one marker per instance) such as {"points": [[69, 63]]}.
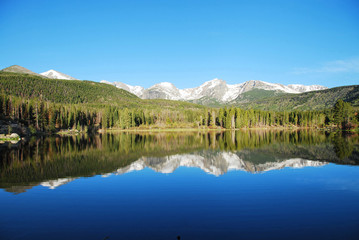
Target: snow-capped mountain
{"points": [[164, 90], [57, 75], [215, 89], [217, 164]]}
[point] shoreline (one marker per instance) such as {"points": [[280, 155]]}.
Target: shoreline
{"points": [[206, 129]]}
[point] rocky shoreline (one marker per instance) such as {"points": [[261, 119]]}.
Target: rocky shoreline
{"points": [[13, 137]]}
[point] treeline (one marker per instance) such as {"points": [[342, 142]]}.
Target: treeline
{"points": [[341, 116], [235, 118], [46, 116]]}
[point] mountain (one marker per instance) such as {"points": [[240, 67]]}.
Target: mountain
{"points": [[314, 100], [211, 92], [57, 75], [22, 70], [164, 90]]}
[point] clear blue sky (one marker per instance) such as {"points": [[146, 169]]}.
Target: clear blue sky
{"points": [[185, 42]]}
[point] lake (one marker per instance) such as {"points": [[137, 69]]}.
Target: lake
{"points": [[196, 185]]}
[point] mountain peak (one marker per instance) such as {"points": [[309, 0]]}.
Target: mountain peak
{"points": [[57, 75], [214, 81], [255, 82], [14, 67], [165, 84], [20, 69]]}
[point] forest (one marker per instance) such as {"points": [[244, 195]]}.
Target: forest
{"points": [[49, 117]]}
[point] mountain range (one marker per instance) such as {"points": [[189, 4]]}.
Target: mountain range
{"points": [[215, 90]]}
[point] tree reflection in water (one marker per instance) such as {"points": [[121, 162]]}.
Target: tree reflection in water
{"points": [[59, 159]]}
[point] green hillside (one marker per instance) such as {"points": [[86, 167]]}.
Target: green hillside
{"points": [[316, 100], [256, 94], [207, 101]]}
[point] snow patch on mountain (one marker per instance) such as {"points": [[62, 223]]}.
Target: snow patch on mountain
{"points": [[137, 90], [57, 75], [303, 88], [233, 92]]}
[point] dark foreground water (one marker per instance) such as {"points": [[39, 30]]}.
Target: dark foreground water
{"points": [[231, 185]]}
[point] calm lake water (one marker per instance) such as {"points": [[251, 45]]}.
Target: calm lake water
{"points": [[230, 185]]}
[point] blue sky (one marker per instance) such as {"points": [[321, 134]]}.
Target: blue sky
{"points": [[186, 42]]}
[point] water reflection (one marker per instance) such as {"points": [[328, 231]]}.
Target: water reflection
{"points": [[54, 161]]}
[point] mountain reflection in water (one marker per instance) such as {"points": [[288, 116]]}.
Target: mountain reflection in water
{"points": [[216, 163], [54, 161]]}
